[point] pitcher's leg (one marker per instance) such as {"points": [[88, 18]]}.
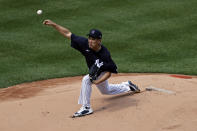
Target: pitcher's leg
{"points": [[84, 98], [112, 89], [86, 90]]}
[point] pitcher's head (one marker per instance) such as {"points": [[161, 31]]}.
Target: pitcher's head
{"points": [[94, 39]]}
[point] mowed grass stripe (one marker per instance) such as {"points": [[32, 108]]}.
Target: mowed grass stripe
{"points": [[143, 36]]}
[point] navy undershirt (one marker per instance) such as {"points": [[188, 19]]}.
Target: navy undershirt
{"points": [[81, 44]]}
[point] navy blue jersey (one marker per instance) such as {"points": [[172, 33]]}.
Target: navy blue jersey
{"points": [[81, 44]]}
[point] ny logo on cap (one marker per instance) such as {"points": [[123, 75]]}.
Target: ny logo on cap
{"points": [[93, 31]]}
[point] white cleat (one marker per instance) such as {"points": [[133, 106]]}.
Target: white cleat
{"points": [[83, 111]]}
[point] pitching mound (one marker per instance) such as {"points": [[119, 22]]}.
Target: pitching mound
{"points": [[47, 105]]}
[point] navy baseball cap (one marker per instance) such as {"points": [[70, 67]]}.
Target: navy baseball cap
{"points": [[94, 33]]}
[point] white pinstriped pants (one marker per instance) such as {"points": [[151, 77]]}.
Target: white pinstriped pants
{"points": [[104, 88]]}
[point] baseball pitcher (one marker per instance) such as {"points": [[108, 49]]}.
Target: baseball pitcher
{"points": [[100, 66]]}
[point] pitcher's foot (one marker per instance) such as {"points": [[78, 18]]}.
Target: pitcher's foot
{"points": [[133, 87], [83, 111]]}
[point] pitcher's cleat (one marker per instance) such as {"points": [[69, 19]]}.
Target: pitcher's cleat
{"points": [[83, 111], [133, 87]]}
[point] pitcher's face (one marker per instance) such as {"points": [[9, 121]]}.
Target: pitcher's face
{"points": [[94, 43]]}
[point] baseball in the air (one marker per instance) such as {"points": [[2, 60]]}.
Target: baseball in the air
{"points": [[39, 12]]}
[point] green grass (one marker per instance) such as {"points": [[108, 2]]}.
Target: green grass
{"points": [[142, 36]]}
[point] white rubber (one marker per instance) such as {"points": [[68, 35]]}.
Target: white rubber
{"points": [[151, 88]]}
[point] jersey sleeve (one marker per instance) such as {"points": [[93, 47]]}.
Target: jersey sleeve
{"points": [[77, 42]]}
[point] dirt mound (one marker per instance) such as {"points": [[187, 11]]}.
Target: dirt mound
{"points": [[47, 105]]}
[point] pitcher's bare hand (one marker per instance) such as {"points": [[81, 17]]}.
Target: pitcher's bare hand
{"points": [[48, 22]]}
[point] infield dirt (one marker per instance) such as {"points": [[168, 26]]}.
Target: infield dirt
{"points": [[48, 106]]}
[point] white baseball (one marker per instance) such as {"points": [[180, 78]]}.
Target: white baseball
{"points": [[39, 12]]}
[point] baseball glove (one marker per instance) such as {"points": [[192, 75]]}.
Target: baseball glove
{"points": [[95, 70]]}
